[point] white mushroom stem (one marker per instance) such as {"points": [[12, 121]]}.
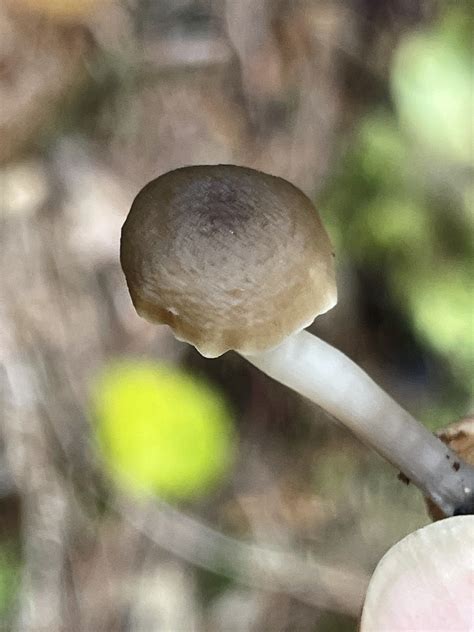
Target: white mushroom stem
{"points": [[330, 379]]}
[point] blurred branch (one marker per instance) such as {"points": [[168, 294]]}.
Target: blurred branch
{"points": [[314, 583], [44, 504]]}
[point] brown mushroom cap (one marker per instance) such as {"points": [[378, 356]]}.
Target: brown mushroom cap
{"points": [[228, 257]]}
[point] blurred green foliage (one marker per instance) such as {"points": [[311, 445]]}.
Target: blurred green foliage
{"points": [[161, 431], [432, 83], [329, 622], [9, 579], [401, 202]]}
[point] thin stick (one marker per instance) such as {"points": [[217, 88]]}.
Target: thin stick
{"points": [[321, 585]]}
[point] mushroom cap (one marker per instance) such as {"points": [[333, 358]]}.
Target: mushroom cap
{"points": [[228, 257], [425, 581]]}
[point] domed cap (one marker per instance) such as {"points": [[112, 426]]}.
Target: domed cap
{"points": [[425, 581], [228, 257]]}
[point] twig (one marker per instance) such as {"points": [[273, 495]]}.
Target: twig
{"points": [[314, 583]]}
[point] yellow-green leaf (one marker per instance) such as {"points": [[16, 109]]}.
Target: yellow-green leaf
{"points": [[160, 430]]}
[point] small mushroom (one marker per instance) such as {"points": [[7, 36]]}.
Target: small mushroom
{"points": [[425, 582], [232, 258]]}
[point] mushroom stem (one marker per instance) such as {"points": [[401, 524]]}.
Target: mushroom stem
{"points": [[330, 379]]}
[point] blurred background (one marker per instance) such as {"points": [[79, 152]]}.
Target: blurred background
{"points": [[142, 487]]}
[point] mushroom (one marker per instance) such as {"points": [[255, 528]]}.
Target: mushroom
{"points": [[425, 581], [232, 258]]}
